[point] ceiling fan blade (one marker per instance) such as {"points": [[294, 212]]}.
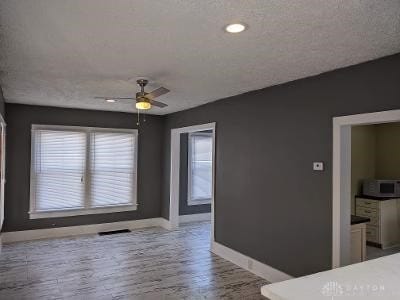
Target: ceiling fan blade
{"points": [[157, 103], [115, 98], [156, 93]]}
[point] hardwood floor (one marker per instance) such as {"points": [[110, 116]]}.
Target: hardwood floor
{"points": [[146, 264], [374, 252]]}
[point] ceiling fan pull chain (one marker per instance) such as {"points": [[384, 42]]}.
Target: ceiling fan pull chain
{"points": [[138, 119]]}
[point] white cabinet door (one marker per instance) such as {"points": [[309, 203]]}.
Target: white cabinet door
{"points": [[358, 243]]}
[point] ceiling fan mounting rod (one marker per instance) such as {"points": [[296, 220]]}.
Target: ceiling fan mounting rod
{"points": [[142, 83]]}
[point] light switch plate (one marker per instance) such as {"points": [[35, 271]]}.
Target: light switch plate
{"points": [[318, 166]]}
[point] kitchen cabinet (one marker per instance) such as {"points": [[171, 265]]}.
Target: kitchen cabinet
{"points": [[358, 239], [383, 228]]}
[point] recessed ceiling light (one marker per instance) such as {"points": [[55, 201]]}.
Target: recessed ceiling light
{"points": [[235, 28], [111, 100]]}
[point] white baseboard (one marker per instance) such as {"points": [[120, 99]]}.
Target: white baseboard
{"points": [[164, 223], [195, 218], [26, 235], [262, 270]]}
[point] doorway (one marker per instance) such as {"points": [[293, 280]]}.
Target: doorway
{"points": [[341, 192], [195, 135]]}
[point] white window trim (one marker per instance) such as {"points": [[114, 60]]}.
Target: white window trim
{"points": [[190, 201], [33, 214]]}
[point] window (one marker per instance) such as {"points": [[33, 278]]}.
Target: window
{"points": [[200, 168], [82, 170], [112, 168]]}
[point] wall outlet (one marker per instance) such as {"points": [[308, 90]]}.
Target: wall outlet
{"points": [[318, 166]]}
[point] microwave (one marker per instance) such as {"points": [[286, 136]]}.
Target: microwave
{"points": [[381, 188]]}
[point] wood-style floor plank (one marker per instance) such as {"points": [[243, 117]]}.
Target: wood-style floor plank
{"points": [[145, 264]]}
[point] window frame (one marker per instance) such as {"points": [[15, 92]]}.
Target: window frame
{"points": [[190, 200], [87, 210]]}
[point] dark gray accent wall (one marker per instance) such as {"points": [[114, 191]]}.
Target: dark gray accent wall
{"points": [[2, 110], [184, 208], [21, 117], [269, 203]]}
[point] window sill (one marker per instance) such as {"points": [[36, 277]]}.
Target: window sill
{"points": [[80, 212], [199, 202]]}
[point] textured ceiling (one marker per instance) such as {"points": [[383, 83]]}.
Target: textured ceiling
{"points": [[63, 53]]}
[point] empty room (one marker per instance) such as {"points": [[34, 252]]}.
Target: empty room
{"points": [[169, 149]]}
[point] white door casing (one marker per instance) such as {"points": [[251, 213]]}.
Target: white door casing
{"points": [[174, 173], [341, 178]]}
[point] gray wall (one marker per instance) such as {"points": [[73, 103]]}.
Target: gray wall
{"points": [[21, 117], [2, 110], [184, 208], [269, 204]]}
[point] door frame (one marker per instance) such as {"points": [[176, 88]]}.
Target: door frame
{"points": [[175, 172], [2, 169], [341, 178]]}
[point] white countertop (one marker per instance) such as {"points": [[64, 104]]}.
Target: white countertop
{"points": [[373, 279]]}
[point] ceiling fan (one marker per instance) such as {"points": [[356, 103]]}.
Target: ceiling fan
{"points": [[143, 99]]}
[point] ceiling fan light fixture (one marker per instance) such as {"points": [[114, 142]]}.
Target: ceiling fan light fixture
{"points": [[143, 105], [235, 28]]}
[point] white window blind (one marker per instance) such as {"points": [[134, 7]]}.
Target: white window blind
{"points": [[200, 168], [59, 166], [112, 168], [82, 170]]}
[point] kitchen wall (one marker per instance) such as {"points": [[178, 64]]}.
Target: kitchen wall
{"points": [[184, 208], [269, 203], [375, 154], [363, 158], [19, 121], [388, 151]]}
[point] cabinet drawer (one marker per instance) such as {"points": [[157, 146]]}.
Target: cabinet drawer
{"points": [[366, 212], [372, 214], [374, 221], [372, 234], [367, 203]]}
